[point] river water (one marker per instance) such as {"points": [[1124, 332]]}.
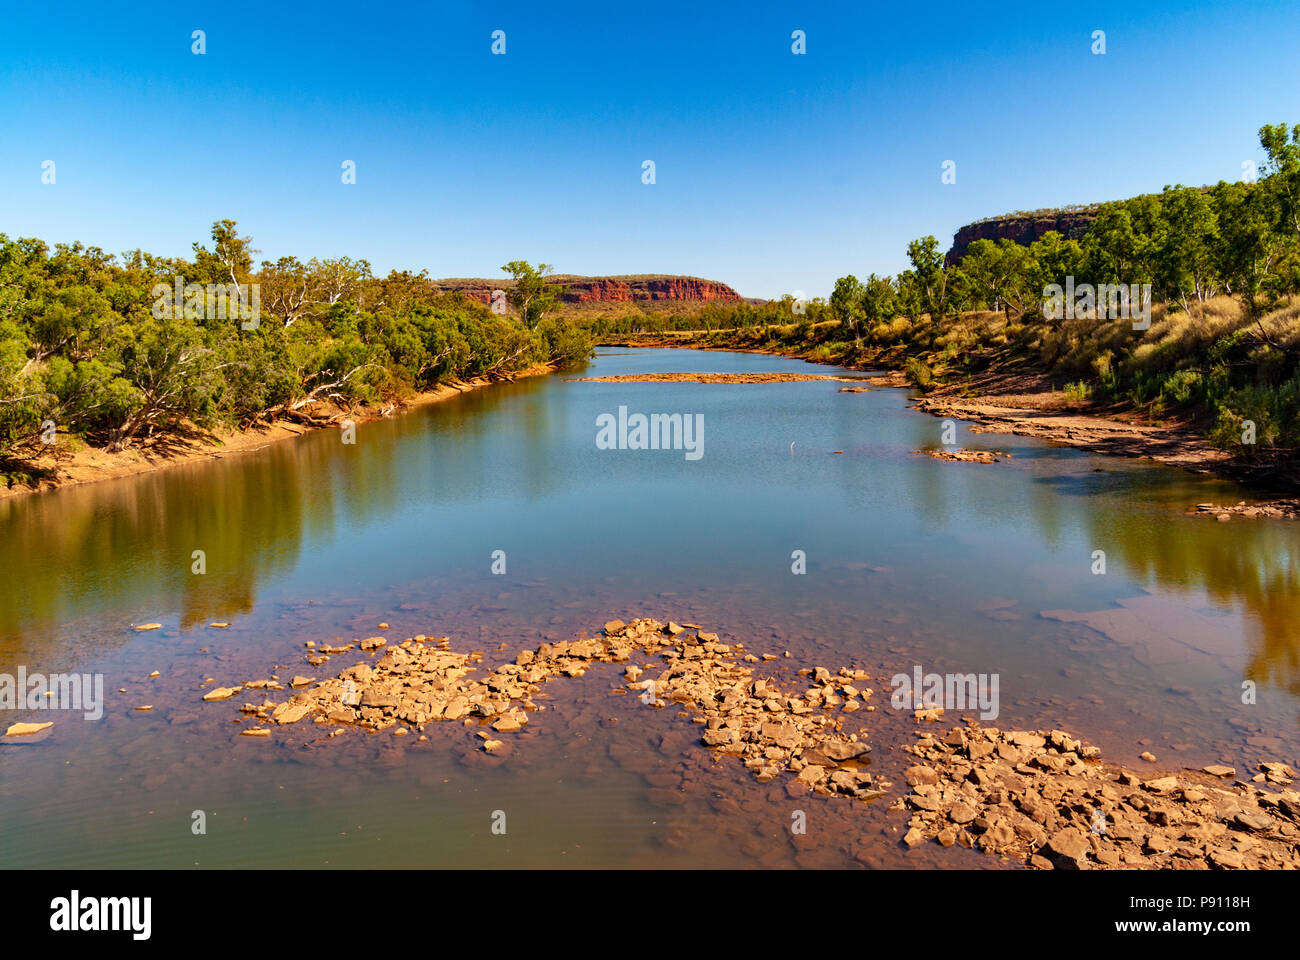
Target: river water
{"points": [[910, 561]]}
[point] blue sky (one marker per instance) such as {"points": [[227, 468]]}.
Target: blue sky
{"points": [[775, 172]]}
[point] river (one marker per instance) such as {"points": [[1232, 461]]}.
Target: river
{"points": [[955, 567]]}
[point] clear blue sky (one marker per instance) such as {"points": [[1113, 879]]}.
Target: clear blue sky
{"points": [[775, 172]]}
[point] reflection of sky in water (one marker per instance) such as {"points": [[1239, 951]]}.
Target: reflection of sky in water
{"points": [[909, 559]]}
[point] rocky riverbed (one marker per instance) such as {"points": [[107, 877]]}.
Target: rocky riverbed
{"points": [[1042, 798], [1045, 798], [421, 681]]}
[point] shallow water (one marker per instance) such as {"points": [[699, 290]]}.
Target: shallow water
{"points": [[953, 566]]}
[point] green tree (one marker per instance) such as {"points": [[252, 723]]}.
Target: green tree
{"points": [[879, 300], [846, 304], [1185, 260], [1283, 173], [532, 294], [929, 276]]}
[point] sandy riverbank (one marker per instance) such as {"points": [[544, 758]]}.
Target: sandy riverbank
{"points": [[1029, 405], [88, 464]]}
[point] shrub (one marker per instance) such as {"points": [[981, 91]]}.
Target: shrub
{"points": [[1077, 392], [918, 373]]}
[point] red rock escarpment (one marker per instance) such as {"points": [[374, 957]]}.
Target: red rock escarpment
{"points": [[608, 289], [1023, 228]]}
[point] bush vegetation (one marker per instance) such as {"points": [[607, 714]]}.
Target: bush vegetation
{"points": [[1222, 348], [91, 349]]}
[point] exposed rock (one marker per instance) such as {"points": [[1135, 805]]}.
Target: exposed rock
{"points": [[1069, 842], [24, 729], [1273, 509], [1022, 228], [1047, 799], [620, 289], [965, 456]]}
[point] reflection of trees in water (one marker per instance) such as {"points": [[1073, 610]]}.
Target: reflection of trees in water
{"points": [[1244, 565], [126, 545], [123, 548]]}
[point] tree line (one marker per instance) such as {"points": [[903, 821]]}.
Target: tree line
{"points": [[1221, 265], [111, 349]]}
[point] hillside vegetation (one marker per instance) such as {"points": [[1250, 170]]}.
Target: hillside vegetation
{"points": [[113, 350], [1195, 313]]}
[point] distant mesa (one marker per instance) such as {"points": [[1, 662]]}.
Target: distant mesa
{"points": [[1024, 227], [640, 289]]}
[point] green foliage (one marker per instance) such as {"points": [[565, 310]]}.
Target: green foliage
{"points": [[1223, 346], [532, 294], [918, 373], [1077, 392], [87, 344]]}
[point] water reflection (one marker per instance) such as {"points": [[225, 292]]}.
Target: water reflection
{"points": [[427, 490]]}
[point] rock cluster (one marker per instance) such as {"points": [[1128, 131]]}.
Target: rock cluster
{"points": [[1046, 798], [1278, 509], [771, 730], [965, 456], [1040, 797]]}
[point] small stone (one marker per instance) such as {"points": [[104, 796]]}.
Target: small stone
{"points": [[812, 774], [23, 729], [1228, 859], [1069, 842], [961, 812], [1161, 785], [290, 712], [1254, 821], [920, 774], [148, 626]]}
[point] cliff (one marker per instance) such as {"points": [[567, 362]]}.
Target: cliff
{"points": [[595, 290], [1023, 228]]}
